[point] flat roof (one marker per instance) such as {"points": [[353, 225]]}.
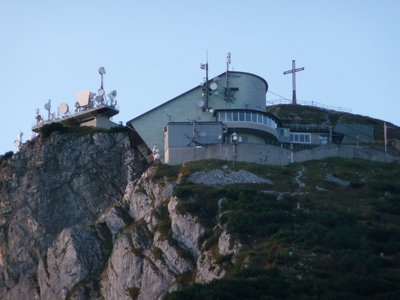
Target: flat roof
{"points": [[83, 116]]}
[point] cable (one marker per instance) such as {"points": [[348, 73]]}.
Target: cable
{"points": [[269, 91]]}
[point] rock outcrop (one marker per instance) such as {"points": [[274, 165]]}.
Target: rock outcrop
{"points": [[77, 222], [51, 185]]}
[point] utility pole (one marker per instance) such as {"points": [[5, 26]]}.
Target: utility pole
{"points": [[293, 72]]}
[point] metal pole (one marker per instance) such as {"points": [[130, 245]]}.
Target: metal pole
{"points": [[207, 83], [385, 135], [294, 100]]}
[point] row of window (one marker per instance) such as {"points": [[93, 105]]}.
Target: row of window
{"points": [[244, 116], [301, 138]]}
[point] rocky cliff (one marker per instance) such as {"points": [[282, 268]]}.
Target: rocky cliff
{"points": [[49, 189], [83, 217], [77, 222]]}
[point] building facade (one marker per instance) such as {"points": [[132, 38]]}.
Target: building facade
{"points": [[222, 116]]}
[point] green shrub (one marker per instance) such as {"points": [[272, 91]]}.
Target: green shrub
{"points": [[47, 129], [134, 293]]}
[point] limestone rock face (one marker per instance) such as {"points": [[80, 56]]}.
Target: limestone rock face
{"points": [[80, 219], [50, 185], [75, 254]]}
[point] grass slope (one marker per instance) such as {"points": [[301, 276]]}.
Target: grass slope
{"points": [[324, 229]]}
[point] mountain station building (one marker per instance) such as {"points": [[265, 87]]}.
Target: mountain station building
{"points": [[226, 118]]}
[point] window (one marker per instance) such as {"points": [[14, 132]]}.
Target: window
{"points": [[300, 138], [254, 117], [235, 116], [323, 139], [247, 116]]}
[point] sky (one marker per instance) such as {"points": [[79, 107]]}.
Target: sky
{"points": [[152, 50]]}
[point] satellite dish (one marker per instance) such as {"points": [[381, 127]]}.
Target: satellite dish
{"points": [[102, 71], [213, 86], [211, 110], [63, 109], [17, 143], [47, 106], [200, 103], [112, 94], [101, 92], [98, 99], [83, 98]]}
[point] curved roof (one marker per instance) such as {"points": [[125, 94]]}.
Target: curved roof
{"points": [[198, 86]]}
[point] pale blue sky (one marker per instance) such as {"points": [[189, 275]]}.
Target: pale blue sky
{"points": [[152, 51]]}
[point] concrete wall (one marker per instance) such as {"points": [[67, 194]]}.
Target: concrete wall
{"points": [[273, 155], [356, 132], [100, 122], [182, 134]]}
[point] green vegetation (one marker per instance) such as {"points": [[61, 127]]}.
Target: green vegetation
{"points": [[302, 114], [46, 130], [322, 240], [134, 293], [164, 170]]}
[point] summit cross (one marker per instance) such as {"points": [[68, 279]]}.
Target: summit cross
{"points": [[293, 72]]}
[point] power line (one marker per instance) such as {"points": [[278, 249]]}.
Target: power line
{"points": [[269, 91]]}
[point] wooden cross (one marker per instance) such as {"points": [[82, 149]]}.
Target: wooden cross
{"points": [[293, 72]]}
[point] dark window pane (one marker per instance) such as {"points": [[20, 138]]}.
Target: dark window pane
{"points": [[235, 116]]}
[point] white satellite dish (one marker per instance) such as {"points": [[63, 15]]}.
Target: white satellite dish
{"points": [[200, 103], [17, 143], [101, 92], [63, 108], [213, 86], [83, 98]]}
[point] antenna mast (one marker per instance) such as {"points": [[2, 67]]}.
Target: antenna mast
{"points": [[293, 72], [205, 67], [228, 62]]}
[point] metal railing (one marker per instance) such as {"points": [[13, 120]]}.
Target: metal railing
{"points": [[309, 103]]}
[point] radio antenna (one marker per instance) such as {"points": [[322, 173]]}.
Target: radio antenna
{"points": [[205, 67]]}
